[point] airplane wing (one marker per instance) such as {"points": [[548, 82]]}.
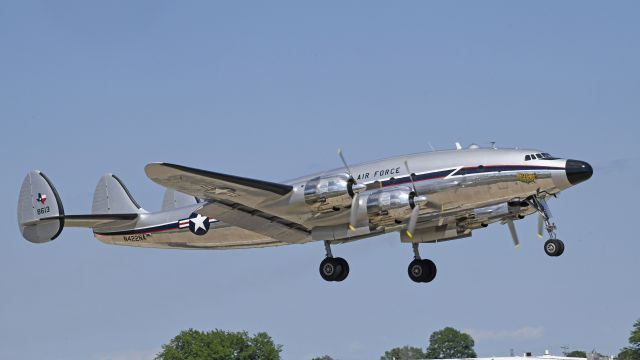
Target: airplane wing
{"points": [[232, 199], [211, 185], [257, 221]]}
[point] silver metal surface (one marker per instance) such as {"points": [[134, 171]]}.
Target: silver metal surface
{"points": [[457, 191]]}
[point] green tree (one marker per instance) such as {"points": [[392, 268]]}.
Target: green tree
{"points": [[632, 352], [403, 353], [634, 339], [576, 353], [325, 357], [220, 345], [450, 343], [628, 354]]}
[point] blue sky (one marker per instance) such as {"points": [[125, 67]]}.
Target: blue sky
{"points": [[271, 90]]}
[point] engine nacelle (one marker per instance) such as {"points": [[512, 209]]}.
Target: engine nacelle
{"points": [[331, 193], [389, 207]]}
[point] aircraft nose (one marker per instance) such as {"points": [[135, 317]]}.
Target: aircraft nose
{"points": [[578, 171]]}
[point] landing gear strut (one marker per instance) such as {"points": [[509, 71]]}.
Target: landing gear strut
{"points": [[552, 247], [421, 270], [333, 269]]}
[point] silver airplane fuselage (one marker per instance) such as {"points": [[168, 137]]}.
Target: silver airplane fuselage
{"points": [[462, 190]]}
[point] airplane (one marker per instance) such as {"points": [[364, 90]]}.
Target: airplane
{"points": [[427, 197]]}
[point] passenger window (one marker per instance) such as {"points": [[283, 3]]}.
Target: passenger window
{"points": [[527, 158]]}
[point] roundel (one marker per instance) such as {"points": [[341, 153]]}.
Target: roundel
{"points": [[198, 224]]}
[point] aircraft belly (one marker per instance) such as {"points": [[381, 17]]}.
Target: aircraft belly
{"points": [[227, 237]]}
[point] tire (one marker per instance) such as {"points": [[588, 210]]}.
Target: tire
{"points": [[417, 270], [344, 269], [329, 269], [553, 247], [431, 272], [561, 247]]}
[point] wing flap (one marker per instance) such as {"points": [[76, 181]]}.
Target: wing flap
{"points": [[211, 185]]}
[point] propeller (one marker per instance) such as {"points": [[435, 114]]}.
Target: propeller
{"points": [[540, 226], [354, 190], [414, 201], [514, 233], [346, 166], [353, 216]]}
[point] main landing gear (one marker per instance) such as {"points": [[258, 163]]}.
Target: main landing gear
{"points": [[552, 247], [421, 270], [333, 269]]}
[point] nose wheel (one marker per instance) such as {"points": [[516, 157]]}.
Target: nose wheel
{"points": [[333, 269], [554, 247]]}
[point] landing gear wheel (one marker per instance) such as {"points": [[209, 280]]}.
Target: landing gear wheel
{"points": [[561, 247], [344, 269], [416, 270], [554, 247], [328, 269], [334, 269], [432, 271], [422, 270]]}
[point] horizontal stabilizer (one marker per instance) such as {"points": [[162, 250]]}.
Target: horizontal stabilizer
{"points": [[94, 220], [41, 216]]}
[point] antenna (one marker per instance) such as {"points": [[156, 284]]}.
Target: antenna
{"points": [[431, 146], [493, 145], [458, 146]]}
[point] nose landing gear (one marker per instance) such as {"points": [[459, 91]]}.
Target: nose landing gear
{"points": [[552, 247]]}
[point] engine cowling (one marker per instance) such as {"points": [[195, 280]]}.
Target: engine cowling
{"points": [[391, 207], [331, 193]]}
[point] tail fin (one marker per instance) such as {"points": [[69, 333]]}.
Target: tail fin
{"points": [[41, 216], [174, 199], [112, 197], [40, 211]]}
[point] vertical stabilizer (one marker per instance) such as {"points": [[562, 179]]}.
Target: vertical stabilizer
{"points": [[112, 197], [174, 199], [40, 211]]}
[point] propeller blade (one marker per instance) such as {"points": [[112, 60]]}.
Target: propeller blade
{"points": [[353, 216], [345, 163], [514, 233], [540, 226], [406, 165], [413, 221]]}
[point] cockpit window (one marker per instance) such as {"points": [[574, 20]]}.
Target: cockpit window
{"points": [[539, 156], [527, 158], [548, 156]]}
